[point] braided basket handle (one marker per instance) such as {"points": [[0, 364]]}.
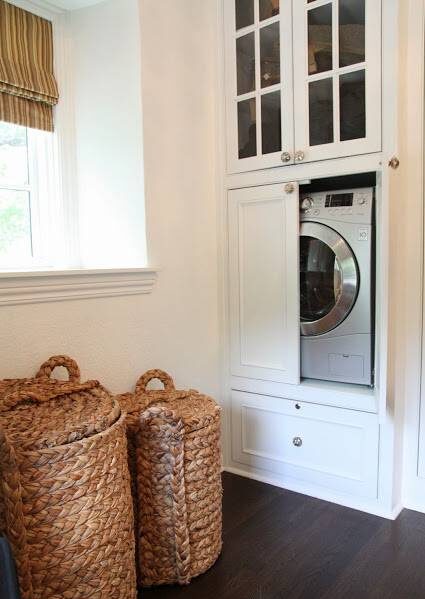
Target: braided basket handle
{"points": [[46, 369], [150, 375]]}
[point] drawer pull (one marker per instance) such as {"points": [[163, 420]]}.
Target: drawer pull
{"points": [[297, 441], [297, 406]]}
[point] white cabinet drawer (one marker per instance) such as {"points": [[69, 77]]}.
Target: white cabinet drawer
{"points": [[319, 445]]}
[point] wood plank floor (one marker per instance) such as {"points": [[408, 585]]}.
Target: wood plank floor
{"points": [[281, 545]]}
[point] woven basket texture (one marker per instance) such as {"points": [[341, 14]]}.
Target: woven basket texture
{"points": [[65, 500], [175, 461]]}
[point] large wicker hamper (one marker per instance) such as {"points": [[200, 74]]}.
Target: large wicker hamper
{"points": [[65, 501], [175, 461]]}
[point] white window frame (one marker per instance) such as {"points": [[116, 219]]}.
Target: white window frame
{"points": [[55, 219]]}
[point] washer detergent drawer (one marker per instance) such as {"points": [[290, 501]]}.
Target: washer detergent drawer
{"points": [[318, 445]]}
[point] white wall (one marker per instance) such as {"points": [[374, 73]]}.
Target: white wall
{"points": [[108, 120], [410, 252], [175, 328]]}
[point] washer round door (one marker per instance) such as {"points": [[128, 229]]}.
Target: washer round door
{"points": [[329, 279]]}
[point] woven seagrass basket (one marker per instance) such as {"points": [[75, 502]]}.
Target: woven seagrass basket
{"points": [[175, 461], [65, 500]]}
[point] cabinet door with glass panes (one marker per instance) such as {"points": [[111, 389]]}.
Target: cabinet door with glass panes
{"points": [[259, 85], [337, 78]]}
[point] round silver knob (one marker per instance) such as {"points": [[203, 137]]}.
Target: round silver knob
{"points": [[306, 204], [286, 157], [297, 441], [299, 156]]}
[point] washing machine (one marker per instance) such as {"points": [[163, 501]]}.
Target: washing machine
{"points": [[336, 285]]}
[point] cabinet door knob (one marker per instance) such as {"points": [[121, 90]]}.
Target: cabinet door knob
{"points": [[297, 441], [289, 188], [286, 157], [394, 163], [299, 156]]}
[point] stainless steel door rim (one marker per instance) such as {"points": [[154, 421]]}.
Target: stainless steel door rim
{"points": [[349, 283]]}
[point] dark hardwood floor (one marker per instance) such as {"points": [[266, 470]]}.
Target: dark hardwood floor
{"points": [[281, 545]]}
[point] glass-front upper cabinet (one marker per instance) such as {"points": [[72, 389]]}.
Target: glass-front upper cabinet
{"points": [[259, 83], [337, 78]]}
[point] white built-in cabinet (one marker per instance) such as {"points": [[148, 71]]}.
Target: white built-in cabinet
{"points": [[263, 282], [303, 81], [303, 94]]}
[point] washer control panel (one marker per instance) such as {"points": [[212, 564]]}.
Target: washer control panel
{"points": [[352, 205]]}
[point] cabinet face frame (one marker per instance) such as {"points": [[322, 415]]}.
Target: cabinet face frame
{"points": [[277, 211], [285, 87], [372, 66]]}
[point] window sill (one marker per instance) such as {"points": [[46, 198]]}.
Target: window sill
{"points": [[53, 286]]}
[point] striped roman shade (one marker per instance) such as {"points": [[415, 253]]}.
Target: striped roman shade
{"points": [[28, 88]]}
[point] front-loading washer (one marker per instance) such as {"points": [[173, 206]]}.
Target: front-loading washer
{"points": [[336, 285]]}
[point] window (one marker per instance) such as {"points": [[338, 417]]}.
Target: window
{"points": [[27, 191], [71, 175]]}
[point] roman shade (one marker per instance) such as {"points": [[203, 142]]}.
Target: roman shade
{"points": [[28, 88]]}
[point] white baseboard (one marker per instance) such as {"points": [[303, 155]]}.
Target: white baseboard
{"points": [[359, 504]]}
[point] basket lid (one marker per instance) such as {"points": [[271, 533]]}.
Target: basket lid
{"points": [[195, 409], [142, 398], [42, 413]]}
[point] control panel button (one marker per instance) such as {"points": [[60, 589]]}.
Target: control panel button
{"points": [[306, 204]]}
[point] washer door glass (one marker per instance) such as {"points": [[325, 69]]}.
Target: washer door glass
{"points": [[329, 279]]}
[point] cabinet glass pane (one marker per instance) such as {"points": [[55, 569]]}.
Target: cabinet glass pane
{"points": [[268, 9], [271, 124], [352, 91], [247, 128], [244, 13], [351, 32], [320, 39], [321, 112], [245, 63], [270, 55]]}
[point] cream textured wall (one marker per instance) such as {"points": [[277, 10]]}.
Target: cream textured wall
{"points": [[176, 327]]}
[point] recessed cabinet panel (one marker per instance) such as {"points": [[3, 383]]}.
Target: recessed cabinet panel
{"points": [[300, 442], [337, 78], [259, 70], [263, 278]]}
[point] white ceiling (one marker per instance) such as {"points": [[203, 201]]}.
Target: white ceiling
{"points": [[73, 4]]}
